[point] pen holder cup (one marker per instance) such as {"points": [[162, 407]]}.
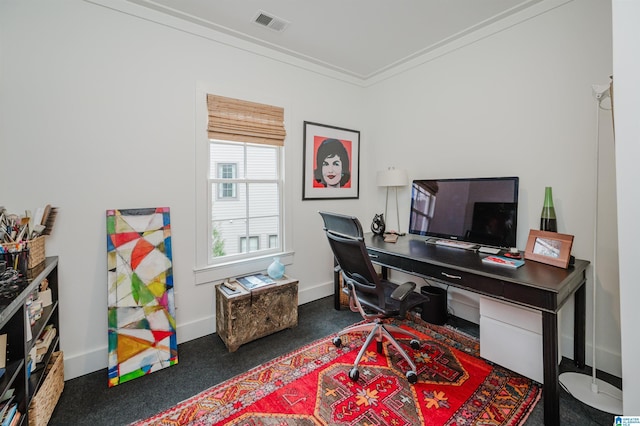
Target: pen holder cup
{"points": [[18, 260]]}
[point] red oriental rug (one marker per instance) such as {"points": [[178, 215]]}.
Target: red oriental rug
{"points": [[311, 386]]}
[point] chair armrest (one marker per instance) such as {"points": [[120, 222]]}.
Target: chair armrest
{"points": [[403, 291]]}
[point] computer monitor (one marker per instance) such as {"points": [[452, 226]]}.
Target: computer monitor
{"points": [[477, 210]]}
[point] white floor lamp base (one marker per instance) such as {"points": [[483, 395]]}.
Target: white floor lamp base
{"points": [[601, 395]]}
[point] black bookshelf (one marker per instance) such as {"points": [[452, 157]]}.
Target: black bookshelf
{"points": [[14, 323]]}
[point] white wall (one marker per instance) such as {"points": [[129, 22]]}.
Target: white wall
{"points": [[83, 89], [518, 102], [97, 112], [626, 69]]}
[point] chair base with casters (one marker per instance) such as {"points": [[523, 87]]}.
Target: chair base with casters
{"points": [[378, 327]]}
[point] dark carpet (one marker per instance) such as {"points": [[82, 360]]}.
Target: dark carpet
{"points": [[205, 362]]}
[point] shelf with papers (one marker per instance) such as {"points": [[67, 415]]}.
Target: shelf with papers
{"points": [[20, 381]]}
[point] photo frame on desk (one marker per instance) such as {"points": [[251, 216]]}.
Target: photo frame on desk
{"points": [[547, 247], [331, 162]]}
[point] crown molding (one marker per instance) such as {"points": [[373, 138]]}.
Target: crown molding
{"points": [[152, 12]]}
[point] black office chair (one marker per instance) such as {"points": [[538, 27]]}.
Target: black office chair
{"points": [[342, 224], [377, 299]]}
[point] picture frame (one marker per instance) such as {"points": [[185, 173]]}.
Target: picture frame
{"points": [[336, 179], [547, 247]]}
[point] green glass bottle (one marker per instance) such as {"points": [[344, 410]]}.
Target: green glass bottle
{"points": [[548, 216]]}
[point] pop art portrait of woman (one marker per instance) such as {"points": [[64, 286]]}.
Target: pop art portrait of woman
{"points": [[331, 162]]}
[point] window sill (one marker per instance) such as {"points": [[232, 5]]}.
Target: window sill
{"points": [[220, 272]]}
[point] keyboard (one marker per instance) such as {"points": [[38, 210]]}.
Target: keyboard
{"points": [[489, 250], [456, 244]]}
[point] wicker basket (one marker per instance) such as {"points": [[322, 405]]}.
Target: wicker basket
{"points": [[35, 250], [344, 298], [45, 400]]}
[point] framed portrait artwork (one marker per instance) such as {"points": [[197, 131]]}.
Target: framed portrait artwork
{"points": [[551, 248], [331, 162]]}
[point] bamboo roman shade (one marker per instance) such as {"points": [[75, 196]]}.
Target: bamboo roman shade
{"points": [[241, 121]]}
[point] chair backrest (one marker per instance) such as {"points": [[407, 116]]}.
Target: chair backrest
{"points": [[342, 224], [351, 254]]}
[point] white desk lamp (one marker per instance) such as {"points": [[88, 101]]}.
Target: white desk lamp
{"points": [[392, 178]]}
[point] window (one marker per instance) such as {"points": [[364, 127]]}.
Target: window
{"points": [[244, 181], [244, 200], [254, 243], [227, 171], [241, 213]]}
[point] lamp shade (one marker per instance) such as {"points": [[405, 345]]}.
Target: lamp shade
{"points": [[392, 177]]}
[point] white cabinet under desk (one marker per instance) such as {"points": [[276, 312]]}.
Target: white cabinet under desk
{"points": [[511, 336]]}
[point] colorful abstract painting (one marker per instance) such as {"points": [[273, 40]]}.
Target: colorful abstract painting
{"points": [[142, 326]]}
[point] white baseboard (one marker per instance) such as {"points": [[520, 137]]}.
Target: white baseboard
{"points": [[87, 362], [606, 361], [460, 305], [314, 293], [464, 307]]}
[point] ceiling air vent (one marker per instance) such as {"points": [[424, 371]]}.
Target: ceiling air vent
{"points": [[268, 20]]}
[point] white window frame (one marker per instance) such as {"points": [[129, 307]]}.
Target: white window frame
{"points": [[206, 272]]}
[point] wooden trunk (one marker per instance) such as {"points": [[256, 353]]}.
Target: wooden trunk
{"points": [[249, 315]]}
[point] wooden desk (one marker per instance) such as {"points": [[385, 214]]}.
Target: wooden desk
{"points": [[535, 285]]}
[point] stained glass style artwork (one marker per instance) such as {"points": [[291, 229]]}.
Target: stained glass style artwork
{"points": [[142, 326]]}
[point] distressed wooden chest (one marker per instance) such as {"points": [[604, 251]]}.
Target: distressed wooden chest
{"points": [[249, 315]]}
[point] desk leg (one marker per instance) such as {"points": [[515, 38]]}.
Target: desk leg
{"points": [[579, 329], [551, 370], [336, 287]]}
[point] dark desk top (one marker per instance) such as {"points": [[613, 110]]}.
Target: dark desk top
{"points": [[413, 250]]}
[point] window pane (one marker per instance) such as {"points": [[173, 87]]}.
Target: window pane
{"points": [[263, 199], [230, 208], [231, 236], [227, 170], [262, 162], [226, 190], [226, 236], [264, 227], [254, 244], [226, 153]]}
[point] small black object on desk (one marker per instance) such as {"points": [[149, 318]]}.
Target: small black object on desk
{"points": [[377, 225]]}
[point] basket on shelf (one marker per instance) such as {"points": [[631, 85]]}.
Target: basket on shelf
{"points": [[32, 249], [36, 251], [45, 400]]}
